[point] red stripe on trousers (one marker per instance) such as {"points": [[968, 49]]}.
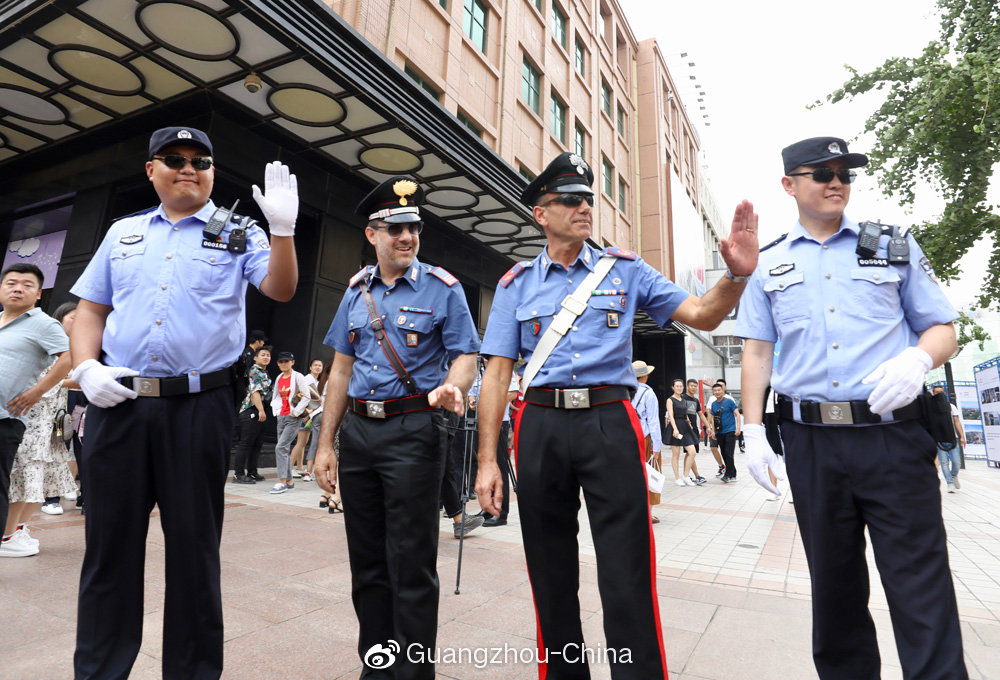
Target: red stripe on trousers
{"points": [[641, 441]]}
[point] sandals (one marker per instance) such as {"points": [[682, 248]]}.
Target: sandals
{"points": [[324, 501], [334, 507]]}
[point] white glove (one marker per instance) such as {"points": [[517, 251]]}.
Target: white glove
{"points": [[900, 380], [760, 456], [280, 203], [98, 382]]}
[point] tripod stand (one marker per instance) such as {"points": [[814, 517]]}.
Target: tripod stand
{"points": [[468, 430]]}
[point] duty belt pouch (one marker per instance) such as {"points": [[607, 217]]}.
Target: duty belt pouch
{"points": [[375, 321]]}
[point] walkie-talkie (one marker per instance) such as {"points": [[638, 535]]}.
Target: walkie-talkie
{"points": [[899, 248], [868, 237], [218, 222]]}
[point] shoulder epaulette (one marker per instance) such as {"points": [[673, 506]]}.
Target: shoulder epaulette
{"points": [[887, 230], [237, 221], [444, 275], [512, 274], [360, 275], [624, 254], [135, 214], [774, 242]]}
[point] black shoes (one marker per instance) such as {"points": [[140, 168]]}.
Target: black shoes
{"points": [[256, 477], [492, 521], [243, 479]]}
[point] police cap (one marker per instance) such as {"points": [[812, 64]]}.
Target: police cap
{"points": [[819, 150], [396, 200], [178, 136], [567, 174]]}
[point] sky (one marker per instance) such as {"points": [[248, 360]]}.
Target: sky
{"points": [[761, 64]]}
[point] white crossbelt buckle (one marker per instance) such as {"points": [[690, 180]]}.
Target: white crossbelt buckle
{"points": [[574, 398], [376, 409], [573, 305], [836, 413], [146, 387]]}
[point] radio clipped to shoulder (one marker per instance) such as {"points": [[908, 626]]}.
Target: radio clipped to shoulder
{"points": [[215, 225], [868, 237], [899, 249], [868, 241]]}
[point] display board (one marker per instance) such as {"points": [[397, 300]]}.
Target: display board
{"points": [[972, 422], [987, 387]]}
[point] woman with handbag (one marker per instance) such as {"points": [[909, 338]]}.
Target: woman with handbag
{"points": [[681, 435], [305, 428]]}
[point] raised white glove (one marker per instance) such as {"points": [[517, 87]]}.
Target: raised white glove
{"points": [[900, 380], [280, 202], [760, 456], [99, 383]]}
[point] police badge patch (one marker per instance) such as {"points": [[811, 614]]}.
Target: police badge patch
{"points": [[612, 319], [925, 264], [411, 339]]}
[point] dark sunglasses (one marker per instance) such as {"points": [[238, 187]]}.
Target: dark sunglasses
{"points": [[175, 161], [571, 200], [396, 230], [824, 175]]}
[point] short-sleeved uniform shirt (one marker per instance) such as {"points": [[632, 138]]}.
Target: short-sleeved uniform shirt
{"points": [[26, 346], [426, 319], [177, 305], [838, 314], [597, 350]]}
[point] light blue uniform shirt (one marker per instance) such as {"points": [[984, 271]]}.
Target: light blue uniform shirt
{"points": [[177, 307], [27, 345], [426, 320], [838, 316], [477, 386], [598, 348], [647, 407]]}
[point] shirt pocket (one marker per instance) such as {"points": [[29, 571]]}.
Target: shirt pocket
{"points": [[605, 311], [789, 298], [209, 269], [358, 326], [413, 327], [534, 319], [126, 263], [875, 291]]}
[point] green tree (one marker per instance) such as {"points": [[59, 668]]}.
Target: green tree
{"points": [[940, 121]]}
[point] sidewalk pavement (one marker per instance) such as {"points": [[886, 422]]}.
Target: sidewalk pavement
{"points": [[733, 589]]}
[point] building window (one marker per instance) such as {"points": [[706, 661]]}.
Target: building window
{"points": [[474, 23], [558, 119], [530, 85], [580, 58], [609, 178], [525, 173], [605, 97], [558, 25], [580, 142], [467, 122], [408, 70], [621, 120], [537, 4], [621, 195], [443, 3]]}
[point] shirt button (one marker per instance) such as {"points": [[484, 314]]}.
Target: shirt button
{"points": [[176, 228], [827, 276], [163, 287], [124, 253], [781, 285], [574, 377], [158, 322], [169, 256], [195, 373], [875, 277], [836, 346], [836, 383], [372, 392], [211, 259], [411, 325], [534, 312], [156, 358], [831, 309], [374, 368], [576, 328], [383, 316], [576, 356], [826, 247]]}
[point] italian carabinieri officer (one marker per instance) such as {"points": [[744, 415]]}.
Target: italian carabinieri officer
{"points": [[577, 427], [399, 325]]}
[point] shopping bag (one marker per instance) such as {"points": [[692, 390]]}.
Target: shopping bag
{"points": [[654, 478]]}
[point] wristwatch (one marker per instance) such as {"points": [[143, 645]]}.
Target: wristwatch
{"points": [[736, 279]]}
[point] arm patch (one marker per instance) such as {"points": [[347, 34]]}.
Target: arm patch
{"points": [[445, 276]]}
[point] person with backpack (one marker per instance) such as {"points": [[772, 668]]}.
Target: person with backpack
{"points": [[945, 424]]}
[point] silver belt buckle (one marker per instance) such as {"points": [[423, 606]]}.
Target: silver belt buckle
{"points": [[576, 398], [836, 413], [146, 387], [376, 409]]}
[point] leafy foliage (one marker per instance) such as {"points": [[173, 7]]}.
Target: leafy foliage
{"points": [[940, 120]]}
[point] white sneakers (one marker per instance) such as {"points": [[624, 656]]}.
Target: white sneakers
{"points": [[19, 545], [279, 488], [52, 508], [679, 482]]}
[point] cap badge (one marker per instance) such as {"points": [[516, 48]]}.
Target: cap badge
{"points": [[834, 148], [581, 165], [183, 134], [404, 188]]}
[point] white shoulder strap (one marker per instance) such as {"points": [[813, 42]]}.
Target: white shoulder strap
{"points": [[573, 305]]}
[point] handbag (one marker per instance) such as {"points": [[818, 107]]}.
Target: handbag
{"points": [[62, 425], [654, 478]]}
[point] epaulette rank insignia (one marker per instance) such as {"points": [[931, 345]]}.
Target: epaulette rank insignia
{"points": [[360, 275], [445, 276], [511, 274], [774, 242], [625, 254]]}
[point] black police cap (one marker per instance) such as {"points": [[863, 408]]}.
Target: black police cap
{"points": [[566, 174], [178, 136], [820, 150], [258, 335], [396, 200]]}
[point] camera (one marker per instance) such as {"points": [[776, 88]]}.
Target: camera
{"points": [[252, 83]]}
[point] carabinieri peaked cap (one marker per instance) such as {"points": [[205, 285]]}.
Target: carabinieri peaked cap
{"points": [[566, 174], [819, 150], [396, 200], [178, 136]]}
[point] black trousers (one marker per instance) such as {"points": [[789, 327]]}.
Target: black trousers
{"points": [[172, 452], [502, 456], [600, 449], [11, 433], [390, 477], [251, 431], [727, 445], [880, 477]]}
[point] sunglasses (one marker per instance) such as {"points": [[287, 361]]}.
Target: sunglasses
{"points": [[396, 230], [824, 175], [175, 161], [571, 200]]}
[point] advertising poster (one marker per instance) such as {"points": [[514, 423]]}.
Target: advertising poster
{"points": [[968, 406], [689, 239], [43, 251], [988, 391]]}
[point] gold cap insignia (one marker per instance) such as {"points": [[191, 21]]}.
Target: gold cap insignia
{"points": [[404, 188]]}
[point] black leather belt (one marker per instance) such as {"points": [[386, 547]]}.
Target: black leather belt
{"points": [[393, 407], [176, 387], [842, 412], [576, 397]]}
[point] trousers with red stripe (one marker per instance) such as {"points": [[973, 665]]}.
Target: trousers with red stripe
{"points": [[560, 451]]}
